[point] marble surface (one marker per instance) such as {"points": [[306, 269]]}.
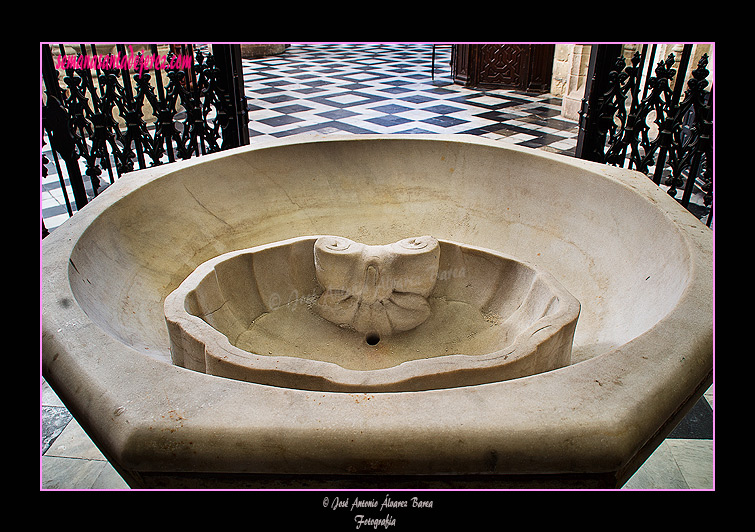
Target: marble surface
{"points": [[70, 461], [326, 313]]}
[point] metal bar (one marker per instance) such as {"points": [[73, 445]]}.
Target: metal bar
{"points": [[50, 74], [709, 162], [101, 122], [591, 139], [158, 78], [107, 120], [634, 127], [665, 133], [649, 72], [162, 125], [187, 50], [638, 78], [130, 102], [89, 152], [703, 125], [228, 60], [60, 176], [681, 73], [57, 122], [660, 164], [432, 68], [196, 132]]}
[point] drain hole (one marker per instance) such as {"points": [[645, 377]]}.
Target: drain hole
{"points": [[372, 338]]}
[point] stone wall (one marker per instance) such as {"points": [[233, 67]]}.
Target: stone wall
{"points": [[570, 64]]}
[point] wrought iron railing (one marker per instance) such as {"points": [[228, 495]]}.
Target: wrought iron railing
{"points": [[195, 98], [668, 138]]}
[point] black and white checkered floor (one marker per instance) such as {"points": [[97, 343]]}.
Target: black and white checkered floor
{"points": [[391, 89], [360, 89]]}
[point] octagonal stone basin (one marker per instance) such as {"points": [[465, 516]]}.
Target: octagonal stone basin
{"points": [[639, 264], [253, 315]]}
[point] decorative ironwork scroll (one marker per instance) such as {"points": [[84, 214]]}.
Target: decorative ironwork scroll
{"points": [[654, 134], [693, 137], [620, 124]]}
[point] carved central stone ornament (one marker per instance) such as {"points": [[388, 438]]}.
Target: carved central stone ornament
{"points": [[376, 290]]}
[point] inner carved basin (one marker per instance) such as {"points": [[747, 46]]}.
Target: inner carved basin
{"points": [[638, 263], [309, 313]]}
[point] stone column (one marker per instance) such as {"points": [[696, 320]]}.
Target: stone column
{"points": [[561, 58], [574, 90]]}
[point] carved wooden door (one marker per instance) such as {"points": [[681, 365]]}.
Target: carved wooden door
{"points": [[503, 65], [526, 67]]}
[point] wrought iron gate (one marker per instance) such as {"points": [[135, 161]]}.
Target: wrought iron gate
{"points": [[668, 138], [195, 98]]}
